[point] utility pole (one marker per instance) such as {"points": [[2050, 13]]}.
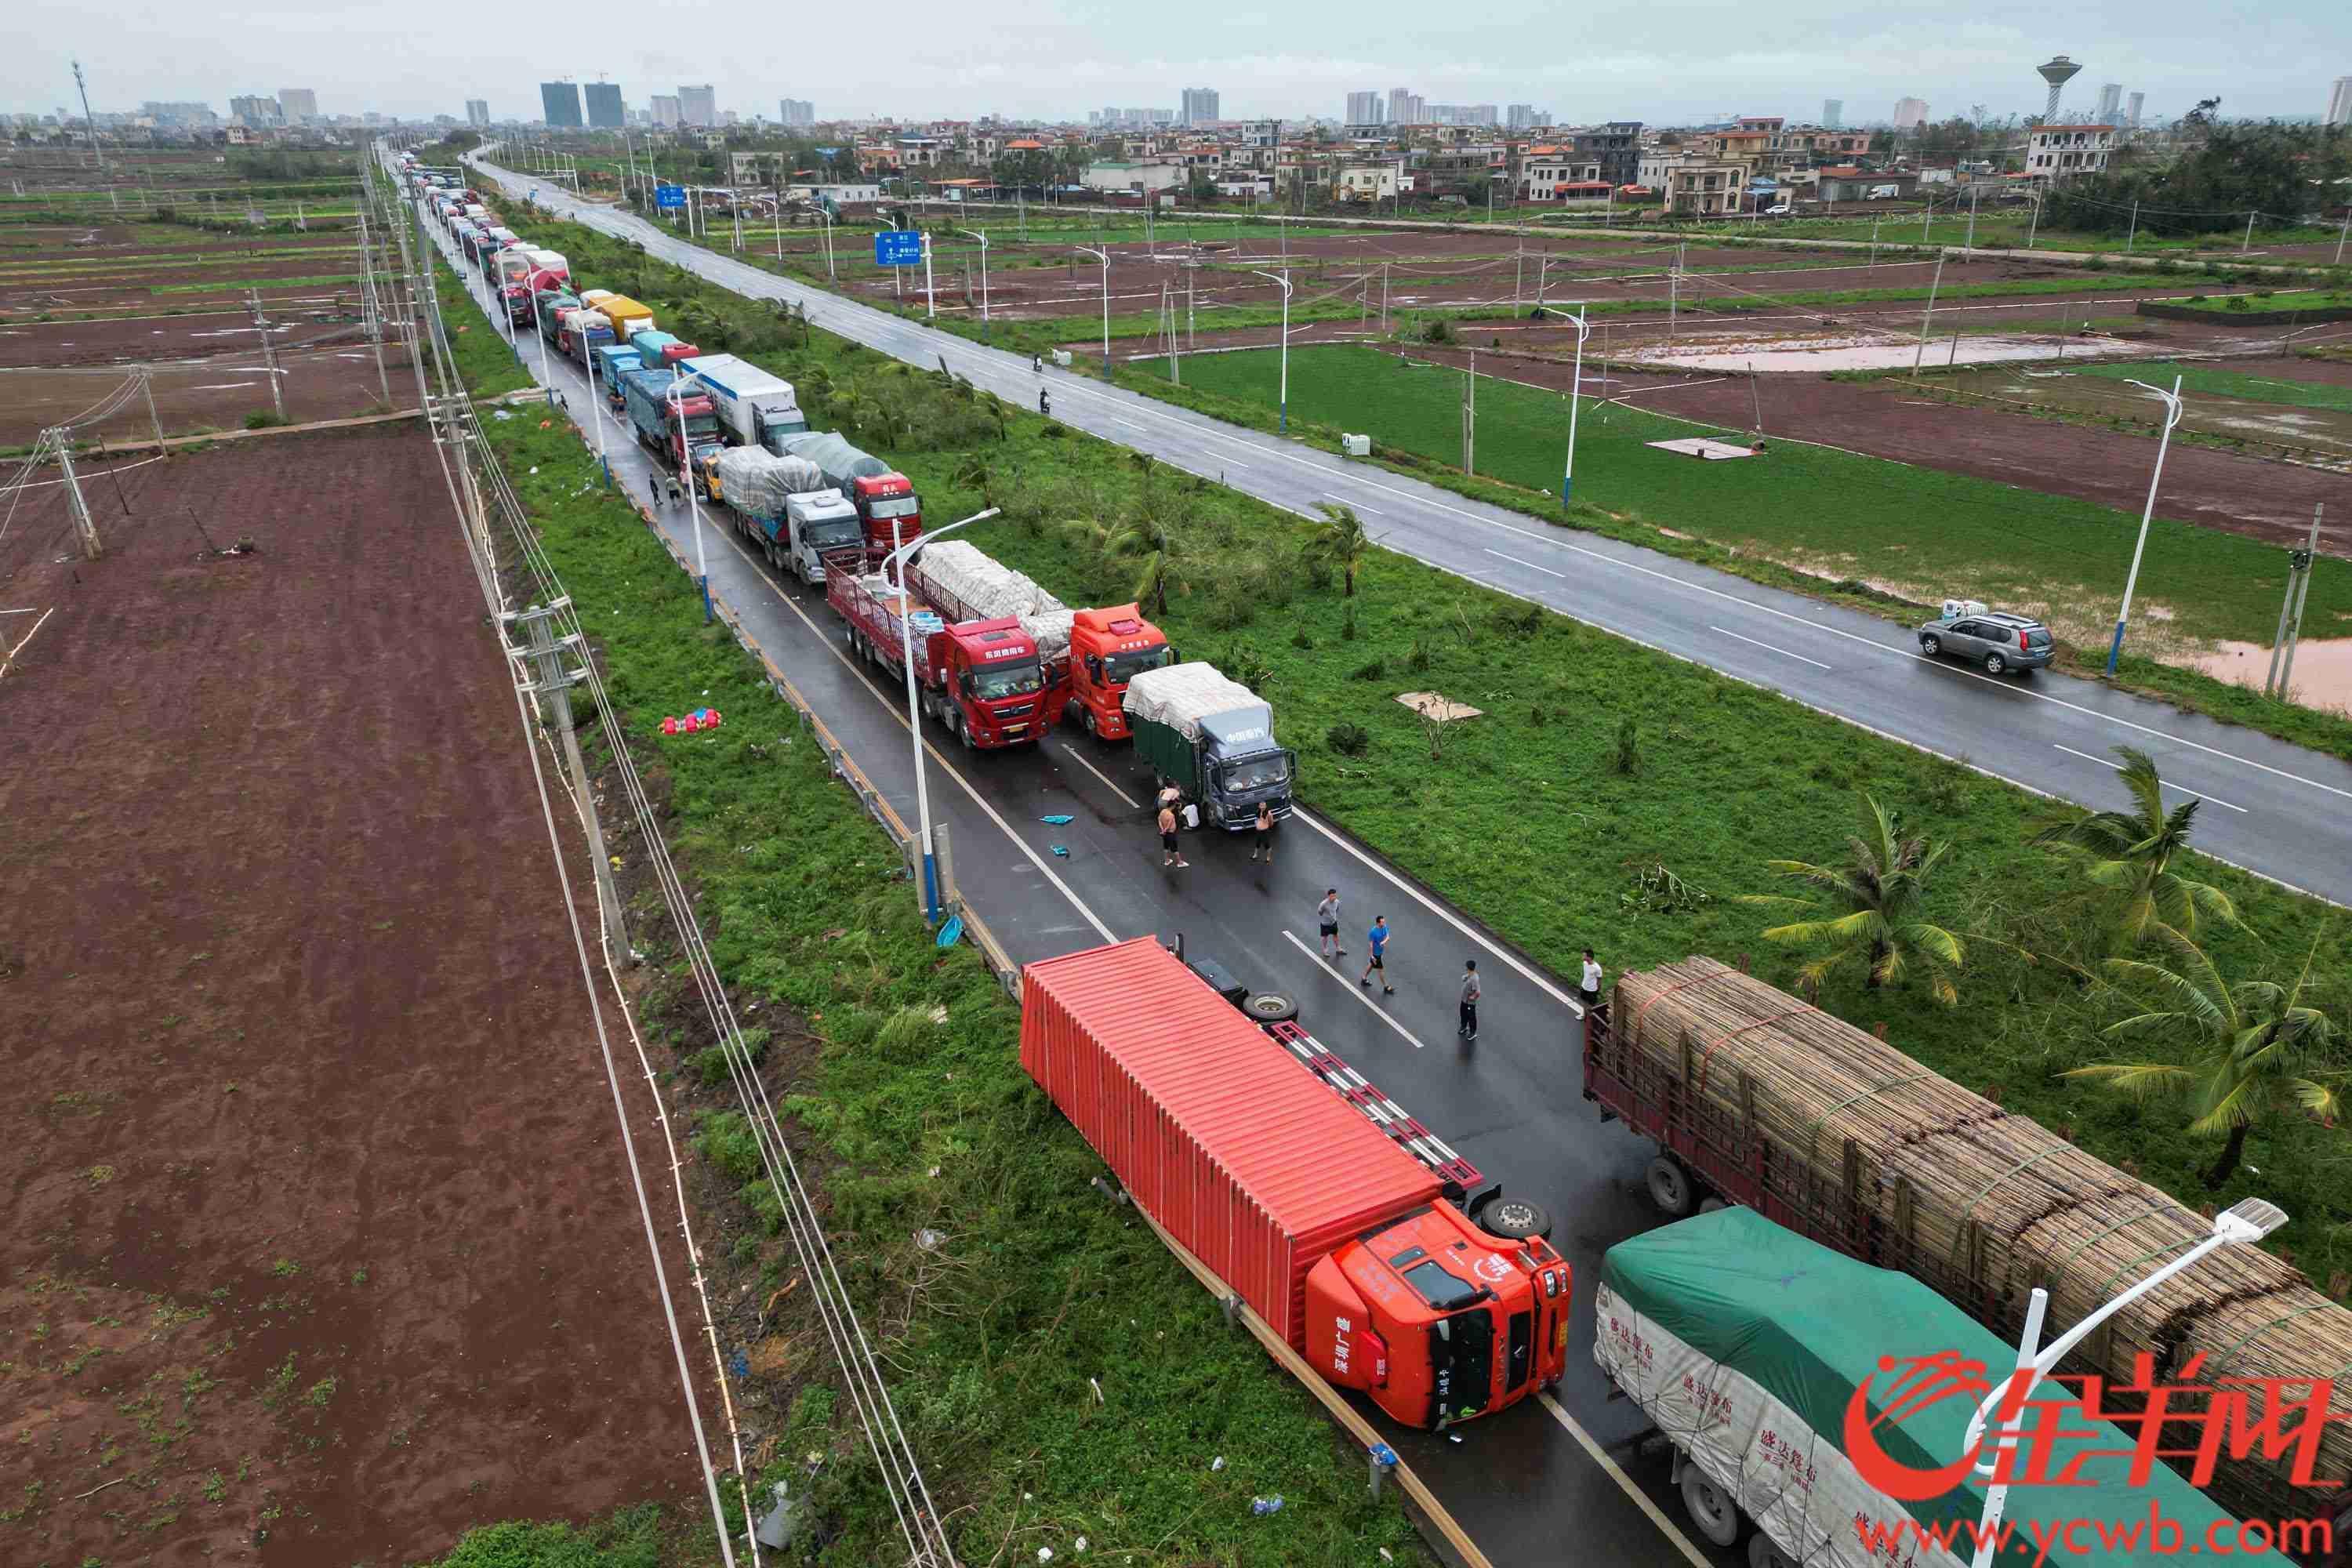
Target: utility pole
{"points": [[269, 353], [147, 385], [1470, 417], [89, 119], [1673, 294], [84, 527], [553, 690], [1930, 314], [2298, 594]]}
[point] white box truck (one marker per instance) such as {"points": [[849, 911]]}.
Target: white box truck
{"points": [[753, 405]]}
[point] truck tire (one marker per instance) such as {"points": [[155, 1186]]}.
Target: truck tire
{"points": [[1086, 716], [1513, 1219], [1671, 1187], [1763, 1553], [1269, 1007], [1710, 1508]]}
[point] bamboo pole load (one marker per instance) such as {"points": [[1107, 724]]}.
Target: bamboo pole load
{"points": [[1837, 1134]]}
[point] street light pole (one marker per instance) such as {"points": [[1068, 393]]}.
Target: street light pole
{"points": [[931, 295], [2241, 1224], [1284, 281], [1575, 392], [930, 889], [701, 562], [1103, 256], [2171, 418], [977, 234]]}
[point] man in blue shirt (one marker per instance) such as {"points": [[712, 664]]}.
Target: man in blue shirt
{"points": [[1377, 939]]}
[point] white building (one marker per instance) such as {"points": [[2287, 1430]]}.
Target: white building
{"points": [[665, 109], [697, 105], [1366, 109], [1910, 113], [1134, 179], [2339, 102], [299, 104], [478, 113], [2063, 152], [1372, 181], [1199, 108]]}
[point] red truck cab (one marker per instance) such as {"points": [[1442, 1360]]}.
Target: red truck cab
{"points": [[1108, 648], [882, 500], [1438, 1321], [992, 683]]}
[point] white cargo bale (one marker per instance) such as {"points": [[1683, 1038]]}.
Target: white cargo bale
{"points": [[1051, 632], [989, 586], [1182, 695], [756, 482]]}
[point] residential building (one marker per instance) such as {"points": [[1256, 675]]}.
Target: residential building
{"points": [[1850, 183], [1407, 107], [2339, 101], [665, 109], [1833, 112], [1261, 133], [1910, 113], [1551, 173], [1706, 186], [1371, 181], [1616, 147], [2063, 152], [1200, 107], [2111, 102], [256, 112], [604, 111], [697, 105], [2131, 110], [1366, 109], [1134, 179], [559, 103], [299, 104], [199, 116], [478, 113], [798, 111], [1657, 166]]}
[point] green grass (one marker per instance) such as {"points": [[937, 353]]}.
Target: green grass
{"points": [[239, 285], [2285, 299], [489, 365], [2218, 383], [1840, 514], [640, 1537]]}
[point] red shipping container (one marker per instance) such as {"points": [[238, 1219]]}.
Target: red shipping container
{"points": [[1219, 1132]]}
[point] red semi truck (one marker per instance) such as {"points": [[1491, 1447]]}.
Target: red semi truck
{"points": [[983, 679], [1108, 648], [1344, 1238]]}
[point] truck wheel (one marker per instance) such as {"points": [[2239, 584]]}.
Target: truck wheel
{"points": [[1270, 1007], [1670, 1187], [1763, 1553], [1086, 716], [1710, 1507], [1513, 1219]]}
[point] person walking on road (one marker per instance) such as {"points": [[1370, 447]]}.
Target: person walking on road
{"points": [[1168, 856], [653, 487], [1264, 845], [1469, 1029], [1327, 921], [1589, 987], [1044, 404], [1377, 939]]}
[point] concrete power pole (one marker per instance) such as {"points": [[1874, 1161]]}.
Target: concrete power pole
{"points": [[553, 690], [269, 353], [85, 529], [2300, 564]]}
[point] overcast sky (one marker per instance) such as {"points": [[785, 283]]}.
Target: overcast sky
{"points": [[1678, 61]]}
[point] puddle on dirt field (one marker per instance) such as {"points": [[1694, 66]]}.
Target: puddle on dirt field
{"points": [[2323, 669], [1877, 351]]}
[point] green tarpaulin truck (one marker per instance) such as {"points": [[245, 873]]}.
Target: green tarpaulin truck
{"points": [[1743, 1343]]}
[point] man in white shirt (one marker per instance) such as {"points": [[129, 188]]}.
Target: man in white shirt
{"points": [[1590, 988]]}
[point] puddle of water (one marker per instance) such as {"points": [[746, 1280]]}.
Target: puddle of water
{"points": [[2323, 669], [1879, 353]]}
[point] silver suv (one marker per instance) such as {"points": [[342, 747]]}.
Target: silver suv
{"points": [[1992, 639]]}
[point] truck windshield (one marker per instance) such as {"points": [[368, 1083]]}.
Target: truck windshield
{"points": [[1120, 668], [1255, 772], [1017, 679], [702, 425], [834, 535], [895, 506]]}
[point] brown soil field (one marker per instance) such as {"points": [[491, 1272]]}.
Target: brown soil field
{"points": [[211, 333], [2264, 500], [323, 1246], [66, 296]]}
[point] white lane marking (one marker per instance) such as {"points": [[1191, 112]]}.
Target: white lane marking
{"points": [[1070, 750], [1168, 419], [1767, 648], [1528, 564], [1129, 423], [2177, 789], [1575, 1007], [1359, 995], [1344, 501], [1600, 1456]]}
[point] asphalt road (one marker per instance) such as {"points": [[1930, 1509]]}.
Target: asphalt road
{"points": [[2275, 809]]}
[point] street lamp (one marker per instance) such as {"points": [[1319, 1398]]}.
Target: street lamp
{"points": [[1575, 391], [701, 562], [914, 712], [2171, 418], [2245, 1222], [1103, 256], [983, 278], [1285, 281]]}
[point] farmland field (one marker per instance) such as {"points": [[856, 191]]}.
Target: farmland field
{"points": [[321, 1246], [1915, 531]]}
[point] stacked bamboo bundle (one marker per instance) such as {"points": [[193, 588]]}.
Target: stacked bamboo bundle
{"points": [[1876, 1155]]}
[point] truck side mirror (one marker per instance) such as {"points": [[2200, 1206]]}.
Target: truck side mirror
{"points": [[1094, 666], [967, 683]]}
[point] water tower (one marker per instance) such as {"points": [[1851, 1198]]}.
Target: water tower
{"points": [[2057, 73]]}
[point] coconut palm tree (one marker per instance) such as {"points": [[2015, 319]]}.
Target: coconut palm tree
{"points": [[976, 471], [2131, 853], [2251, 1049], [1341, 541], [1870, 910]]}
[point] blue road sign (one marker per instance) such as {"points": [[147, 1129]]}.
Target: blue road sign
{"points": [[899, 248], [668, 196]]}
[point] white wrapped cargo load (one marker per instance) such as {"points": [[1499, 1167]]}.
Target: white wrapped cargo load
{"points": [[1180, 695], [756, 482], [1051, 632], [989, 586], [585, 321]]}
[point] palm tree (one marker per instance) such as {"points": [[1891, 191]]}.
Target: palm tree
{"points": [[2131, 853], [1144, 463], [975, 471], [2253, 1047], [1340, 541], [1872, 909]]}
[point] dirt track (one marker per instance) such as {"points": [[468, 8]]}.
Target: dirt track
{"points": [[322, 1245]]}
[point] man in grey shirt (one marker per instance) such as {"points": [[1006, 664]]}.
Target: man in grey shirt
{"points": [[1327, 919], [1469, 1029]]}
